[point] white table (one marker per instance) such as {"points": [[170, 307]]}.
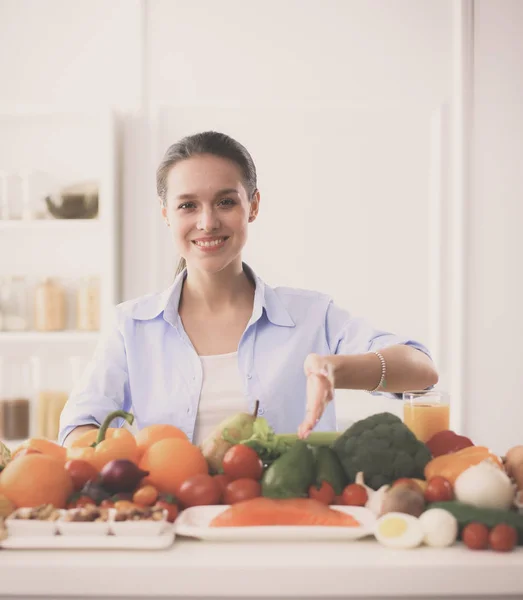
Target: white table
{"points": [[194, 569]]}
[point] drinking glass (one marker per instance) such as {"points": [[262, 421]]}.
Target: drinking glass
{"points": [[426, 413]]}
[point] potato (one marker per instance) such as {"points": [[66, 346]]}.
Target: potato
{"points": [[404, 499]]}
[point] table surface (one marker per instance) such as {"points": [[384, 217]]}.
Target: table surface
{"points": [[198, 569]]}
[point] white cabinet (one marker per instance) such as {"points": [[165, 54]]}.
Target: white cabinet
{"points": [[57, 150]]}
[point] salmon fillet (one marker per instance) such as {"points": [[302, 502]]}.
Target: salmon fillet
{"points": [[292, 511]]}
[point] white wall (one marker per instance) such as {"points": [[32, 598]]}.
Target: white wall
{"points": [[495, 323], [364, 78]]}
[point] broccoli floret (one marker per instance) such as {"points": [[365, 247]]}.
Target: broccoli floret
{"points": [[384, 448]]}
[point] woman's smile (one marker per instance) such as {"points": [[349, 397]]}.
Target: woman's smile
{"points": [[210, 244]]}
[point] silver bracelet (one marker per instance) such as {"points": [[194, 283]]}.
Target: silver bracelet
{"points": [[382, 382]]}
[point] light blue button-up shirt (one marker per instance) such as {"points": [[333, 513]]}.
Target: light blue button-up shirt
{"points": [[146, 363]]}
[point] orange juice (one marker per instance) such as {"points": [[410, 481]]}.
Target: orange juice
{"points": [[425, 419]]}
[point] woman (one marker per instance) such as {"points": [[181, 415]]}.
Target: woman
{"points": [[219, 338]]}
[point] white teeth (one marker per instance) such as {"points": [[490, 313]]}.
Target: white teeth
{"points": [[210, 244]]}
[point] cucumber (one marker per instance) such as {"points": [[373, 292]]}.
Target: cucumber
{"points": [[465, 514]]}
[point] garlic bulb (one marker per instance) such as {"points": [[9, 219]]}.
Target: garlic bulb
{"points": [[375, 497], [486, 486]]}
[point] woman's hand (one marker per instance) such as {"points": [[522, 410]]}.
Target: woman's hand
{"points": [[320, 391]]}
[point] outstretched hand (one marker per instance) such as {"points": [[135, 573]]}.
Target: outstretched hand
{"points": [[320, 391]]}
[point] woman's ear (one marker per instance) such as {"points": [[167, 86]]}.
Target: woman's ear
{"points": [[163, 206], [255, 206]]}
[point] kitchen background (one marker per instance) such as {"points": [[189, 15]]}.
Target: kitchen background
{"points": [[388, 136]]}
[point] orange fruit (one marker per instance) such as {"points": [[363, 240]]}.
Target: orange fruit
{"points": [[36, 479], [44, 446], [151, 434], [170, 462]]}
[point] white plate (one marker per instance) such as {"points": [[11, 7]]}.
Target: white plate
{"points": [[194, 522], [30, 527], [90, 542]]}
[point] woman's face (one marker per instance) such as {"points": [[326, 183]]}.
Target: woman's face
{"points": [[208, 211]]}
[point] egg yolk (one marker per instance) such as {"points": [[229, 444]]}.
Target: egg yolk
{"points": [[393, 527]]}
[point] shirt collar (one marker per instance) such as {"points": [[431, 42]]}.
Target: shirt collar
{"points": [[265, 298]]}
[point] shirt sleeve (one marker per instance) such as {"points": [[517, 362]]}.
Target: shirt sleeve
{"points": [[348, 334], [103, 387]]}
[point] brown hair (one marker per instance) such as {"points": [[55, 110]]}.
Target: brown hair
{"points": [[207, 142]]}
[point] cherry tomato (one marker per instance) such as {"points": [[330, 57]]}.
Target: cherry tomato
{"points": [[81, 472], [475, 536], [146, 495], [354, 494], [199, 490], [502, 538], [439, 489], [240, 490], [77, 501], [168, 503], [222, 480], [324, 494], [242, 462]]}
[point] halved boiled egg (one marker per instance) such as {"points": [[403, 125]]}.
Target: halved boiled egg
{"points": [[398, 530]]}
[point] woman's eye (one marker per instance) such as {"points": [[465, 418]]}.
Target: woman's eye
{"points": [[227, 202], [186, 205]]}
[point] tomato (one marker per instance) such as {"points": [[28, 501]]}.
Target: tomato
{"points": [[439, 489], [81, 472], [240, 490], [79, 500], [199, 490], [503, 538], [354, 494], [222, 480], [324, 494], [475, 536], [146, 495], [242, 462], [168, 503]]}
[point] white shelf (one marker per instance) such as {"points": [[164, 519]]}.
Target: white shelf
{"points": [[48, 336], [48, 224]]}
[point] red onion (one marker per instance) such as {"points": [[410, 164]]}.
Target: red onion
{"points": [[121, 476]]}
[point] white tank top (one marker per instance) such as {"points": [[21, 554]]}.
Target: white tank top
{"points": [[222, 393]]}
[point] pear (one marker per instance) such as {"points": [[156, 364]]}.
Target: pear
{"points": [[236, 428]]}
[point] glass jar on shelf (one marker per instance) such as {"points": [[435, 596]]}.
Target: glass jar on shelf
{"points": [[50, 306], [14, 303], [16, 391], [54, 378], [88, 304], [11, 196]]}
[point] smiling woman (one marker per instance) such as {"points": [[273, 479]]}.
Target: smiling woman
{"points": [[220, 339]]}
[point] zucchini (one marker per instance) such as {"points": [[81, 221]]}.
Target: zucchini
{"points": [[465, 514]]}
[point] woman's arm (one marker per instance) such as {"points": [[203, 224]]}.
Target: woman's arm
{"points": [[406, 369], [77, 432]]}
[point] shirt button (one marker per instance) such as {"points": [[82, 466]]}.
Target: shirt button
{"points": [[261, 411], [249, 376], [194, 377]]}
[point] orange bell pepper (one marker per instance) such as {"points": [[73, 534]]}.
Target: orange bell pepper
{"points": [[43, 446], [110, 444], [450, 466]]}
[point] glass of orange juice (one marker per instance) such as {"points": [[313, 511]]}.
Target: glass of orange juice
{"points": [[426, 413]]}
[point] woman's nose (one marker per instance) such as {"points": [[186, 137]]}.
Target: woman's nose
{"points": [[208, 220]]}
